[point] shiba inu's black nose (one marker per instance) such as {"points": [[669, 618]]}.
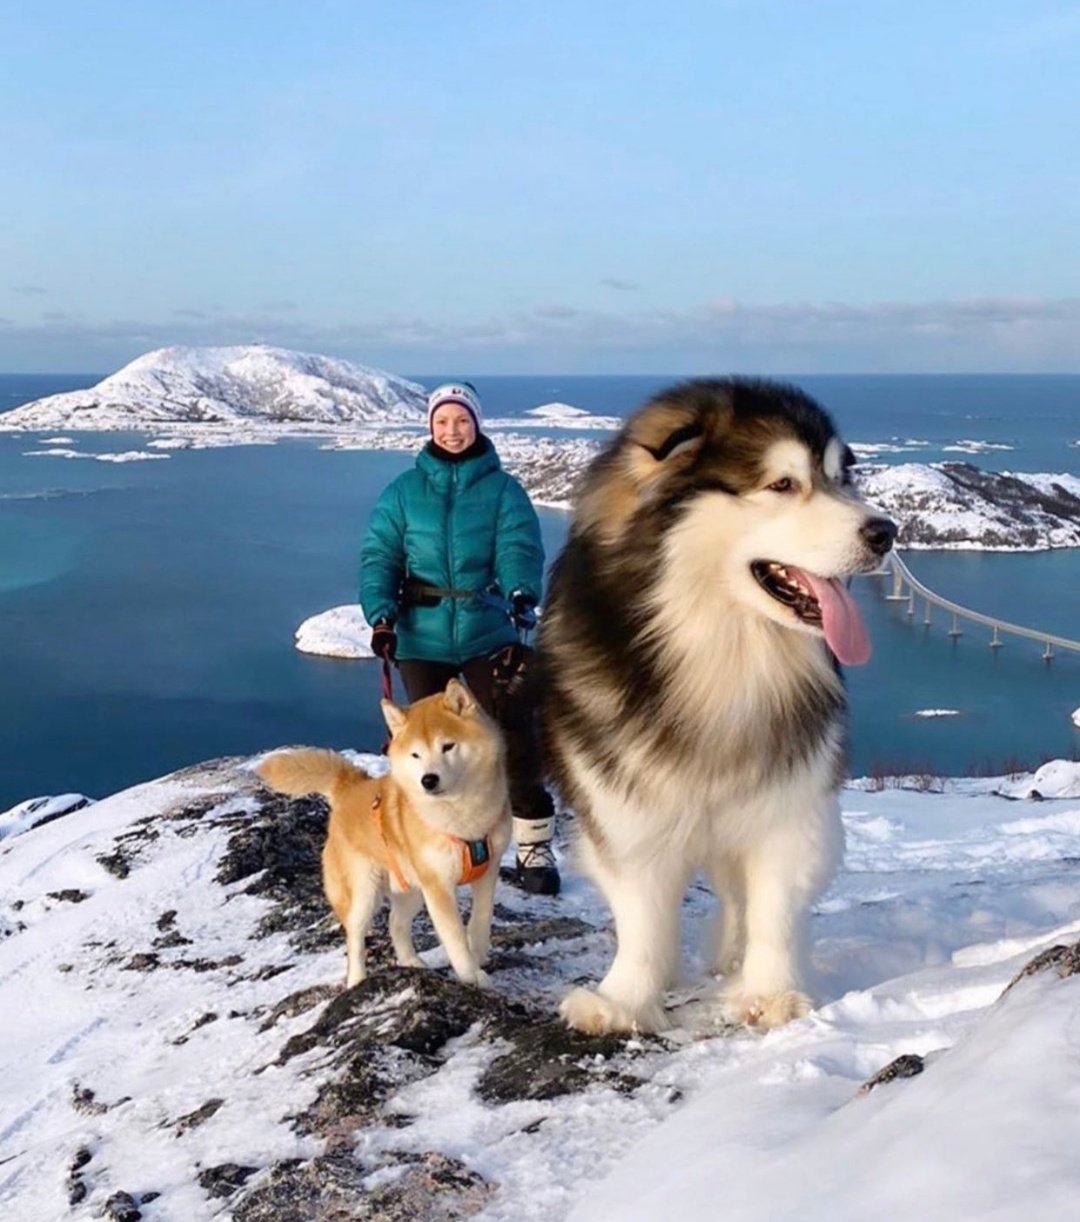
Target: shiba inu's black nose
{"points": [[430, 781], [878, 534]]}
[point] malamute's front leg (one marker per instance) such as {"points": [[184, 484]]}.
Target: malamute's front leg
{"points": [[727, 937], [645, 905], [783, 874]]}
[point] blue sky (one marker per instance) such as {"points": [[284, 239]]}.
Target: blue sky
{"points": [[775, 186]]}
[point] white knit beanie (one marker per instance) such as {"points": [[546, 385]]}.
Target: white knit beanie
{"points": [[462, 393]]}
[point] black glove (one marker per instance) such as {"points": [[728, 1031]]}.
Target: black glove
{"points": [[384, 640], [523, 611]]}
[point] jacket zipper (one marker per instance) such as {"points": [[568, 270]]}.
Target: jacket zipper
{"points": [[454, 626]]}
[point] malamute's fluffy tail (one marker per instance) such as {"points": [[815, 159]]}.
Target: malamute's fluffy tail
{"points": [[308, 770]]}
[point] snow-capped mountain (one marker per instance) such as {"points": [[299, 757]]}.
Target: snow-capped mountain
{"points": [[958, 505], [227, 386], [177, 1042]]}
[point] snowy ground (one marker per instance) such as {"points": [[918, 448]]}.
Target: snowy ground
{"points": [[166, 973]]}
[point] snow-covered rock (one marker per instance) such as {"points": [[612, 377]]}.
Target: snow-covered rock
{"points": [[1076, 718], [957, 505], [341, 632], [225, 386], [559, 415], [1055, 779], [176, 1038], [35, 811]]}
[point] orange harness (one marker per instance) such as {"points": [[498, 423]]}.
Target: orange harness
{"points": [[475, 854]]}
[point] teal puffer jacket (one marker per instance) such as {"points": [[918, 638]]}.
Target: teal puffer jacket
{"points": [[464, 525]]}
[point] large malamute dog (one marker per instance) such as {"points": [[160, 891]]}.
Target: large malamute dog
{"points": [[694, 714]]}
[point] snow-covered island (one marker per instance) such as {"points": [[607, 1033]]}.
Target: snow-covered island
{"points": [[177, 1043], [217, 388], [958, 505]]}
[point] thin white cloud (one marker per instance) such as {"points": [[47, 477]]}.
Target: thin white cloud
{"points": [[991, 333]]}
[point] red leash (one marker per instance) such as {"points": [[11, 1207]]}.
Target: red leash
{"points": [[388, 694]]}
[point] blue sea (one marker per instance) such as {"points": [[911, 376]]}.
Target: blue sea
{"points": [[147, 610]]}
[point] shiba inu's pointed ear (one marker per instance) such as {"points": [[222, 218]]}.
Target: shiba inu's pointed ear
{"points": [[395, 717], [458, 699]]}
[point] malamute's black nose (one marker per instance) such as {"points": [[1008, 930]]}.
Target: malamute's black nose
{"points": [[430, 781], [878, 534]]}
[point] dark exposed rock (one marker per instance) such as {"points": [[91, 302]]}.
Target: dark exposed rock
{"points": [[385, 1032], [201, 1021], [1065, 960], [170, 940], [143, 961], [166, 921], [118, 863], [430, 1188], [271, 970], [516, 932], [199, 1116], [909, 1065], [70, 895], [192, 812], [80, 1158], [404, 1007], [279, 846], [76, 1190], [549, 1059], [224, 1179], [121, 1207], [326, 1189], [84, 1102], [433, 1187], [299, 1003]]}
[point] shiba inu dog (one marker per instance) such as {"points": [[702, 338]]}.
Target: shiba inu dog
{"points": [[439, 818], [694, 713]]}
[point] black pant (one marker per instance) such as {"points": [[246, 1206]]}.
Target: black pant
{"points": [[514, 709]]}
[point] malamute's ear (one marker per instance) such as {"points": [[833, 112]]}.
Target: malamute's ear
{"points": [[662, 439], [395, 717], [458, 699]]}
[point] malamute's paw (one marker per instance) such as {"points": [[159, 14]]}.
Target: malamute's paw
{"points": [[595, 1014], [766, 1010], [412, 960]]}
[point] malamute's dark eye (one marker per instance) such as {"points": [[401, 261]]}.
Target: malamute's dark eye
{"points": [[787, 484], [448, 747], [415, 754]]}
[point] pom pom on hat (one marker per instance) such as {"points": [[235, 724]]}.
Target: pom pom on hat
{"points": [[462, 393]]}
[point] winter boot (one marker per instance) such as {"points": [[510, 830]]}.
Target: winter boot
{"points": [[535, 871]]}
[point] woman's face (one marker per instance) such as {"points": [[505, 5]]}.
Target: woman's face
{"points": [[452, 427]]}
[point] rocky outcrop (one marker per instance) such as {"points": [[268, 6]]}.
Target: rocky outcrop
{"points": [[958, 505]]}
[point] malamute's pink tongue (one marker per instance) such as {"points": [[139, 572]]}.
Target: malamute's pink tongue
{"points": [[843, 625]]}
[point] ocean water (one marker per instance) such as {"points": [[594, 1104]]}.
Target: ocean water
{"points": [[147, 610]]}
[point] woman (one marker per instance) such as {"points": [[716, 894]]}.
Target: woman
{"points": [[451, 570]]}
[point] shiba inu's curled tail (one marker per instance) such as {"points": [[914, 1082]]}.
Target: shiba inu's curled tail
{"points": [[308, 770]]}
